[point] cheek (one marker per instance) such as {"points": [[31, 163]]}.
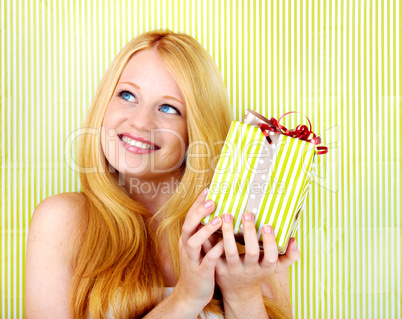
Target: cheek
{"points": [[173, 135], [182, 140], [105, 142], [184, 134], [111, 121], [110, 118], [109, 139]]}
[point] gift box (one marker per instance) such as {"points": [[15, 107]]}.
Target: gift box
{"points": [[266, 170]]}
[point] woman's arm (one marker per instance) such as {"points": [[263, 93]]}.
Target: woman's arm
{"points": [[48, 273], [275, 291], [195, 286], [175, 306], [242, 277]]}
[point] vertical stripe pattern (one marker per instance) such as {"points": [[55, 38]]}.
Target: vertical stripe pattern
{"points": [[338, 62]]}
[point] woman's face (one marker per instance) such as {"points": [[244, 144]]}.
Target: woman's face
{"points": [[144, 131]]}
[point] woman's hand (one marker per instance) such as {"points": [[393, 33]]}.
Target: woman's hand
{"points": [[240, 276], [197, 270]]}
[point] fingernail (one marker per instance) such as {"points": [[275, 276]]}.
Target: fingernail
{"points": [[208, 203], [216, 220], [247, 216], [294, 245], [227, 218], [267, 229], [204, 192]]}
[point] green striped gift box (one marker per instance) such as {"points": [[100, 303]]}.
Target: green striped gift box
{"points": [[270, 181]]}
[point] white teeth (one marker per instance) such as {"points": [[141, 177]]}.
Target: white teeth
{"points": [[137, 143]]}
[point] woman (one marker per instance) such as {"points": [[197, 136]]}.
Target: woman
{"points": [[115, 248]]}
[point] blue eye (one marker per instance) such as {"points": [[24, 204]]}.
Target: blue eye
{"points": [[169, 109], [127, 96]]}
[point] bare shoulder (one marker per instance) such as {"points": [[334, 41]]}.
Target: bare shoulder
{"points": [[61, 204], [52, 235], [56, 218], [64, 207]]}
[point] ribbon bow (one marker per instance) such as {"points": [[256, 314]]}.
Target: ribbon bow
{"points": [[301, 132]]}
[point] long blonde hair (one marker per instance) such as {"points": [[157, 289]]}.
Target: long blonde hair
{"points": [[114, 262]]}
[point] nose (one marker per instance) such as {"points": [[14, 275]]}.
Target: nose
{"points": [[142, 118]]}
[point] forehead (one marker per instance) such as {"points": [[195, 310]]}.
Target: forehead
{"points": [[147, 70]]}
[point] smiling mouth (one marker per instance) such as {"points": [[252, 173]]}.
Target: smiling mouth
{"points": [[138, 144]]}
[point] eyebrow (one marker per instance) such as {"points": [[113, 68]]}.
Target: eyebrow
{"points": [[132, 84], [172, 97], [164, 97]]}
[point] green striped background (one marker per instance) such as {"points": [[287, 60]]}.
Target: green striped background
{"points": [[336, 61]]}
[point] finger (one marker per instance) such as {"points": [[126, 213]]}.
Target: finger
{"points": [[198, 210], [211, 242], [270, 247], [250, 239], [199, 200], [231, 252], [195, 242], [207, 245], [221, 263], [211, 258], [292, 255]]}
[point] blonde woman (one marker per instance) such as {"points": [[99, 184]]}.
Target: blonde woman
{"points": [[117, 248]]}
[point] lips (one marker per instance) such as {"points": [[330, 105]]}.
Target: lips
{"points": [[138, 145]]}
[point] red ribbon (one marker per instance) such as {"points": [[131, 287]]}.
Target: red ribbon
{"points": [[301, 132]]}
